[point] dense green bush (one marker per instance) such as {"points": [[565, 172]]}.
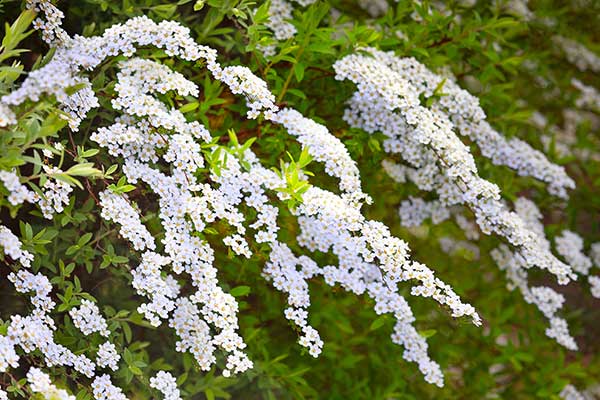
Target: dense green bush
{"points": [[134, 164]]}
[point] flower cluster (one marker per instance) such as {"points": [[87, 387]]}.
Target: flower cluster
{"points": [[385, 101], [519, 9], [7, 116], [280, 14], [103, 389], [36, 331], [8, 355], [26, 282], [375, 8], [88, 320], [577, 54], [198, 182], [595, 253], [451, 246], [134, 136], [570, 392], [13, 247], [166, 384], [589, 98], [18, 193], [323, 147], [547, 300], [594, 282], [55, 192], [117, 208], [40, 383], [468, 117], [50, 21], [108, 356], [570, 246], [564, 139]]}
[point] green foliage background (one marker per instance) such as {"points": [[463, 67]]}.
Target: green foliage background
{"points": [[87, 259]]}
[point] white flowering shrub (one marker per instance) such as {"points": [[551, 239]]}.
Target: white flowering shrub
{"points": [[298, 199]]}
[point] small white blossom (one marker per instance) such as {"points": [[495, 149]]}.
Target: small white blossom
{"points": [[165, 383], [40, 383], [88, 320], [8, 355], [12, 246], [569, 392], [107, 356], [103, 389]]}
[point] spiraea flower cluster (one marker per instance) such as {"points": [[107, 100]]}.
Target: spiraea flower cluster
{"points": [[563, 139], [370, 259], [107, 356], [435, 160], [166, 384], [212, 195], [468, 117], [13, 248], [546, 299], [578, 54], [589, 97], [55, 192], [117, 208], [36, 330], [39, 382], [280, 14], [103, 389], [425, 139], [49, 21], [570, 246], [88, 320], [570, 392]]}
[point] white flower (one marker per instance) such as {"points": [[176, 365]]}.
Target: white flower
{"points": [[387, 101], [577, 54], [88, 320], [12, 246], [103, 389], [118, 208], [370, 260], [569, 392], [107, 356], [8, 356], [18, 192], [570, 246], [166, 384], [39, 382]]}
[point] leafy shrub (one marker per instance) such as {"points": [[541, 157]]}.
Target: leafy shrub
{"points": [[406, 190]]}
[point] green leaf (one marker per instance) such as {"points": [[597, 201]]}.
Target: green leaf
{"points": [[135, 370], [427, 333], [189, 107], [90, 153], [299, 71], [84, 239], [199, 5], [83, 169], [240, 291], [378, 323], [71, 90], [210, 395]]}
